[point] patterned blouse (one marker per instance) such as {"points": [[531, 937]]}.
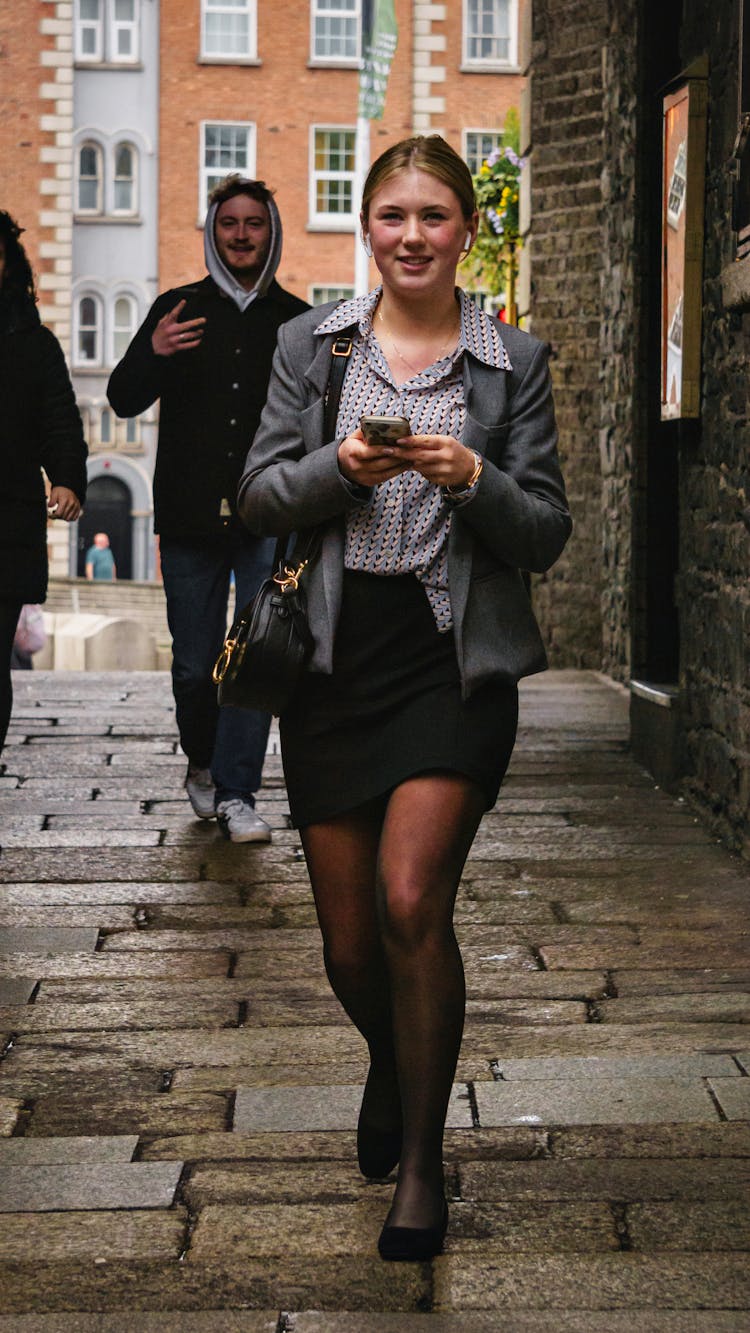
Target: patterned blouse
{"points": [[403, 526]]}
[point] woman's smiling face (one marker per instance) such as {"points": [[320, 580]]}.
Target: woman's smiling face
{"points": [[418, 232]]}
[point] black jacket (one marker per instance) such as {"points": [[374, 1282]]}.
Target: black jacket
{"points": [[40, 426], [211, 401]]}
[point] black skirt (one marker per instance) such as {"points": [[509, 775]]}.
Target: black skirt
{"points": [[391, 709]]}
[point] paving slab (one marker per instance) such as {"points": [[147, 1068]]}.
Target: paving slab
{"points": [[734, 1101], [702, 1065], [310, 1108], [70, 1151], [726, 1007], [180, 964], [16, 990], [723, 1139], [597, 1282], [117, 1112], [218, 1047], [681, 980], [165, 1321], [513, 1321], [80, 1017], [123, 891], [10, 1111], [91, 1237], [114, 918], [614, 1180], [52, 940], [703, 1227], [50, 1188], [515, 1144], [601, 1101]]}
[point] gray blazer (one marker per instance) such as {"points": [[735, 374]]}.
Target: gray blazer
{"points": [[517, 519]]}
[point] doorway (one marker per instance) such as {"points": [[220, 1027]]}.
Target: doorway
{"points": [[108, 509]]}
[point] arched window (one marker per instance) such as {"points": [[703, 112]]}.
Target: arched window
{"points": [[90, 178], [125, 179], [124, 320], [88, 342]]}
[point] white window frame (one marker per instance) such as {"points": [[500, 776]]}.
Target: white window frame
{"points": [[98, 209], [334, 291], [95, 362], [496, 134], [205, 172], [85, 25], [316, 57], [331, 221], [135, 162], [106, 27], [113, 356], [477, 64], [250, 7], [115, 26]]}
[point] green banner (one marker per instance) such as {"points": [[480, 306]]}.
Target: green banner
{"points": [[379, 41]]}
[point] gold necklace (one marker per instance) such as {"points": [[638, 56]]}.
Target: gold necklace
{"points": [[405, 359]]}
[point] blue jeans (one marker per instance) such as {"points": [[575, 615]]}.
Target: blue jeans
{"points": [[229, 741]]}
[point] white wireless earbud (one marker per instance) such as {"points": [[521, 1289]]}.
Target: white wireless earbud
{"points": [[366, 246], [467, 241]]}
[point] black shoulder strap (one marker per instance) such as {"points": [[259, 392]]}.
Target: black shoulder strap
{"points": [[341, 350]]}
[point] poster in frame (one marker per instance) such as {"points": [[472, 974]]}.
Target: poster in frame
{"points": [[684, 151]]}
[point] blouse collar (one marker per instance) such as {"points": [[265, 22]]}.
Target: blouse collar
{"points": [[479, 331]]}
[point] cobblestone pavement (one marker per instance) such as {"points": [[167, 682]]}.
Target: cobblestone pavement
{"points": [[179, 1090]]}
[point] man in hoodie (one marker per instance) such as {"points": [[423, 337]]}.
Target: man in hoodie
{"points": [[205, 351]]}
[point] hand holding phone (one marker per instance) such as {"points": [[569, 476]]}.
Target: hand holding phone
{"points": [[384, 430]]}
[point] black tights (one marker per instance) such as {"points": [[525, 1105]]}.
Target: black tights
{"points": [[9, 613], [385, 878]]}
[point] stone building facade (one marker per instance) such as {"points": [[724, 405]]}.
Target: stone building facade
{"points": [[654, 586]]}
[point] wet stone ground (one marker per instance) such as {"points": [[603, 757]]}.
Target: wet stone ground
{"points": [[179, 1089]]}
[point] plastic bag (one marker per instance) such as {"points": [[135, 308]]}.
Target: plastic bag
{"points": [[30, 636]]}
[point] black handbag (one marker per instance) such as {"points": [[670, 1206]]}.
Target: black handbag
{"points": [[265, 651]]}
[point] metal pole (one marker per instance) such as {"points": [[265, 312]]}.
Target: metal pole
{"points": [[361, 167]]}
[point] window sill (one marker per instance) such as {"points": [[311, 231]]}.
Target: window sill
{"points": [[334, 64], [735, 285], [228, 60], [346, 225], [85, 368], [130, 66], [107, 220], [489, 68]]}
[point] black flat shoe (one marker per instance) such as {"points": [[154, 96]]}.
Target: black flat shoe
{"points": [[413, 1244]]}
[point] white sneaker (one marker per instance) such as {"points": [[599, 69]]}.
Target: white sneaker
{"points": [[199, 786], [239, 822]]}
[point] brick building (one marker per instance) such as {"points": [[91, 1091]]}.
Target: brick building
{"points": [[654, 587], [279, 100], [118, 115]]}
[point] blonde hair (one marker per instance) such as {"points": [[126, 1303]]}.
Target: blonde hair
{"points": [[429, 153]]}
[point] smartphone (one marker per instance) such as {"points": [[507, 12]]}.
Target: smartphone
{"points": [[384, 430]]}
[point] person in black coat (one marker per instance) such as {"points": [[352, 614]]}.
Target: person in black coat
{"points": [[205, 352], [40, 427]]}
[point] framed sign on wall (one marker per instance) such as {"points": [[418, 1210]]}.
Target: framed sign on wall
{"points": [[684, 155]]}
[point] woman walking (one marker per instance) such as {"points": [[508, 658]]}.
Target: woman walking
{"points": [[400, 735], [40, 427]]}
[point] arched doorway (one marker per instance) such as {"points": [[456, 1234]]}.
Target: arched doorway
{"points": [[108, 509]]}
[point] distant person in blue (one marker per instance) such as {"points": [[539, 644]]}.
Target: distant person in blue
{"points": [[100, 562]]}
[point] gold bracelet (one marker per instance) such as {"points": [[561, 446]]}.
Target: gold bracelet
{"points": [[473, 479]]}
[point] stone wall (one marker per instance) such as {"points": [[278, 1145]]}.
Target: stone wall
{"points": [[714, 585], [565, 244], [621, 334]]}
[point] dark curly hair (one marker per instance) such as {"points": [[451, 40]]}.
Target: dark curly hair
{"points": [[17, 286]]}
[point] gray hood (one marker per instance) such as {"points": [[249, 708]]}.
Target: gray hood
{"points": [[218, 269]]}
